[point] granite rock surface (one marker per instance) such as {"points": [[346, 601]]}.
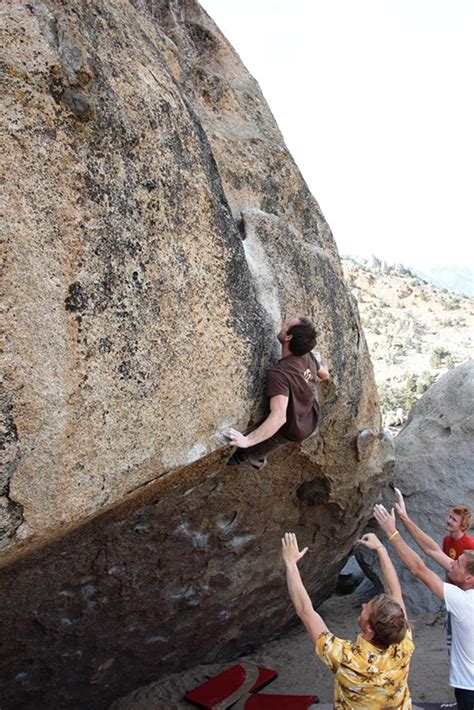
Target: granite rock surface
{"points": [[434, 466], [159, 231]]}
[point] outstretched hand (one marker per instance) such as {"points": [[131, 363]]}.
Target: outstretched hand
{"points": [[289, 549], [400, 506], [235, 438], [371, 541], [385, 519]]}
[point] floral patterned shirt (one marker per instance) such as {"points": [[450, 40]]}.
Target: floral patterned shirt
{"points": [[367, 677]]}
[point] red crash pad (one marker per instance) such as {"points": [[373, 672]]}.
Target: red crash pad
{"points": [[237, 688], [234, 682]]}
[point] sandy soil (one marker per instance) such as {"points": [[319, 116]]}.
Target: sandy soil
{"points": [[300, 672]]}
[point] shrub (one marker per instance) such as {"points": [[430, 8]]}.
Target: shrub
{"points": [[450, 304], [441, 358], [391, 397], [424, 382]]}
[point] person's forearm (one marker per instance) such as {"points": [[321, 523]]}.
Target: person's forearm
{"points": [[389, 574], [270, 426], [323, 372], [417, 567], [424, 541], [409, 557], [298, 594]]}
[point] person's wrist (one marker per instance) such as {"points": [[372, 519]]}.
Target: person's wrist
{"points": [[380, 547], [392, 535]]}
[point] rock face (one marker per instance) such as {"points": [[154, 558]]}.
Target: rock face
{"points": [[434, 464], [159, 232]]}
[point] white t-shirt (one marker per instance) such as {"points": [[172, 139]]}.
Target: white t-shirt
{"points": [[461, 605]]}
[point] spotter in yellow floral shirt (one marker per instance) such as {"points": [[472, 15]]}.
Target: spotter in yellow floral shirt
{"points": [[366, 677]]}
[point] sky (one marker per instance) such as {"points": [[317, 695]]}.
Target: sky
{"points": [[375, 101]]}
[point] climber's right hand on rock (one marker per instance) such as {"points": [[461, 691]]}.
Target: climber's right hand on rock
{"points": [[235, 438]]}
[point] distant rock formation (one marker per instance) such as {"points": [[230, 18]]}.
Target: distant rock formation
{"points": [[378, 264], [394, 418], [434, 464], [414, 330], [140, 323], [459, 279]]}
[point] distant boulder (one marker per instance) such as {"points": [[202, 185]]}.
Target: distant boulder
{"points": [[434, 464], [394, 418]]}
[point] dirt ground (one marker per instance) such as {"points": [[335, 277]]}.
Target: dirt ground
{"points": [[299, 671]]}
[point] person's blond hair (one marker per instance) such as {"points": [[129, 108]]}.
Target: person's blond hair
{"points": [[465, 514], [470, 561], [387, 621]]}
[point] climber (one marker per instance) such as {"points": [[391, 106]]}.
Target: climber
{"points": [[291, 389]]}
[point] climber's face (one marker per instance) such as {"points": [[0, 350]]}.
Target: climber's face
{"points": [[283, 334]]}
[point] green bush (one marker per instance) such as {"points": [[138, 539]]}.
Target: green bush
{"points": [[441, 358], [425, 381], [391, 397], [450, 304]]}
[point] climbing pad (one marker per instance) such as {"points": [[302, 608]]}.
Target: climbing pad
{"points": [[238, 687]]}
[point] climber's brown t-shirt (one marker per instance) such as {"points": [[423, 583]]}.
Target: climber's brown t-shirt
{"points": [[295, 377]]}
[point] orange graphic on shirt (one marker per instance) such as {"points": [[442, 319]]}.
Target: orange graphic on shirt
{"points": [[452, 553]]}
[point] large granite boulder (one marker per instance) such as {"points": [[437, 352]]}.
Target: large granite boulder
{"points": [[159, 233], [434, 465]]}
